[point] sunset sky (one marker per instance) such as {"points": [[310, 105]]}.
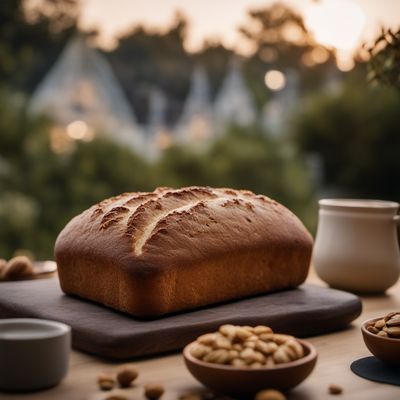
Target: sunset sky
{"points": [[220, 18]]}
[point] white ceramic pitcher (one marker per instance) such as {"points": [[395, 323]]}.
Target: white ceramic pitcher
{"points": [[356, 247]]}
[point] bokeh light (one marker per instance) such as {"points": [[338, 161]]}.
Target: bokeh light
{"points": [[79, 130], [293, 33], [275, 80], [344, 62], [319, 55]]}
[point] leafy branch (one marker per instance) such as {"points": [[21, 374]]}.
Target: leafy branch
{"points": [[384, 63]]}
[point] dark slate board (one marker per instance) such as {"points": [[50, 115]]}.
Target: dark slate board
{"points": [[375, 370], [306, 311]]}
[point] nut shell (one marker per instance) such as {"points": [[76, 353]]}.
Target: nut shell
{"points": [[244, 345], [105, 381], [126, 375], [335, 389], [388, 326], [17, 268], [153, 391]]}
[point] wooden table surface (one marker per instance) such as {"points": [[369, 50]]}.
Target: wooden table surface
{"points": [[336, 352]]}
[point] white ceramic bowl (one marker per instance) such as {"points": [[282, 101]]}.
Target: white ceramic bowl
{"points": [[34, 353]]}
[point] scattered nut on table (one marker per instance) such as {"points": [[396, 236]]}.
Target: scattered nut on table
{"points": [[335, 389], [17, 268], [241, 346], [153, 391], [270, 394], [388, 326], [126, 375], [105, 381]]}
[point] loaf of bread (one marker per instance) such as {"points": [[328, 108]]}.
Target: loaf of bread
{"points": [[150, 254]]}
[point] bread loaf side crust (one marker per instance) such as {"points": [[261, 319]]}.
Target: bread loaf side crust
{"points": [[150, 254]]}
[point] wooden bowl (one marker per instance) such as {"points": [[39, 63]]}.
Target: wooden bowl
{"points": [[226, 379], [386, 349]]}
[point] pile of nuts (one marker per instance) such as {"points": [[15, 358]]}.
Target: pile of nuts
{"points": [[19, 267], [246, 346], [388, 326], [125, 376]]}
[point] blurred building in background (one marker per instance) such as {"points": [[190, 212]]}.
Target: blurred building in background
{"points": [[234, 103], [83, 98], [284, 110], [196, 125], [158, 136]]}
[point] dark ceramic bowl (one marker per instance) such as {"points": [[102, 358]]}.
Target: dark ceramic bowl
{"points": [[226, 379], [386, 349]]}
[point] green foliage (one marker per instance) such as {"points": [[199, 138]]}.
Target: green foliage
{"points": [[357, 135], [243, 159], [40, 190], [146, 58], [280, 30], [281, 41], [384, 64], [31, 37], [355, 132], [247, 158]]}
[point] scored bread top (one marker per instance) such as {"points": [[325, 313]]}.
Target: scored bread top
{"points": [[171, 226]]}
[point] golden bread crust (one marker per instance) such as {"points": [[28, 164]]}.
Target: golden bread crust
{"points": [[149, 254]]}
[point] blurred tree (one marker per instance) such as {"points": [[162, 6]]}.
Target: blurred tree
{"points": [[248, 159], [32, 33], [278, 35], [146, 58], [41, 190], [356, 134], [181, 166], [384, 64], [243, 159], [279, 39]]}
